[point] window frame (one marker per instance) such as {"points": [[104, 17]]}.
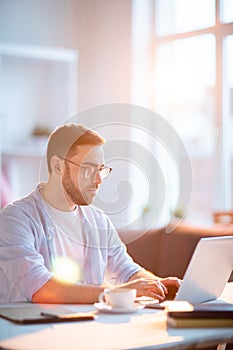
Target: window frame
{"points": [[220, 30]]}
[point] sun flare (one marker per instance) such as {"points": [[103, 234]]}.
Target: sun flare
{"points": [[66, 270]]}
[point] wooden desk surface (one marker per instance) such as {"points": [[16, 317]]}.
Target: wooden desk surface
{"points": [[143, 330]]}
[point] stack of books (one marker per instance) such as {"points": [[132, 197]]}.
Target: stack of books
{"points": [[207, 315]]}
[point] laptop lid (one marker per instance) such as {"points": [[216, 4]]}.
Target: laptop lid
{"points": [[208, 271]]}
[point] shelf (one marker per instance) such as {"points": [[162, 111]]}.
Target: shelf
{"points": [[23, 151], [38, 88], [39, 53]]}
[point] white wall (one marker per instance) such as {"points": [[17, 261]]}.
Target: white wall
{"points": [[100, 30]]}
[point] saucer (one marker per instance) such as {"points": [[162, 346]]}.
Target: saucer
{"points": [[103, 307]]}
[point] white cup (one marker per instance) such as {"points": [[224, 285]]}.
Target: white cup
{"points": [[118, 297]]}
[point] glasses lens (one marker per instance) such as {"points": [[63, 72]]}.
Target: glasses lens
{"points": [[105, 172], [90, 172]]}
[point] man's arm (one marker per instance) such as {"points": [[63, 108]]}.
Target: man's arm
{"points": [[58, 292], [144, 274], [146, 283]]}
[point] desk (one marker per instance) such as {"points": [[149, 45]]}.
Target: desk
{"points": [[143, 330]]}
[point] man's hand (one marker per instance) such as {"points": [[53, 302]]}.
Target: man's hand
{"points": [[153, 286], [172, 285], [147, 286]]}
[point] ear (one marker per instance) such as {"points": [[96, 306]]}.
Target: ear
{"points": [[56, 165]]}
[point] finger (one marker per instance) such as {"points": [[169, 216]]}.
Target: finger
{"points": [[163, 287], [152, 288], [152, 293], [154, 282], [157, 288]]}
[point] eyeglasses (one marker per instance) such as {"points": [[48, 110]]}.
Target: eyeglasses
{"points": [[91, 171]]}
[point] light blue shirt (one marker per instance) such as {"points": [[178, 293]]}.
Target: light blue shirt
{"points": [[27, 248]]}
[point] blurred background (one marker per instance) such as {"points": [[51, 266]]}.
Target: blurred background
{"points": [[174, 57]]}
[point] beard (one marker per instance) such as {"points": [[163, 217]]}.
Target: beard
{"points": [[71, 190]]}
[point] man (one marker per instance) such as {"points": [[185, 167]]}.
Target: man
{"points": [[56, 223]]}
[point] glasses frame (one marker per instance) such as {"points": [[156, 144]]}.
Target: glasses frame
{"points": [[102, 171]]}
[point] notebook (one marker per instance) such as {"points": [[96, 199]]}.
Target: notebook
{"points": [[208, 271], [33, 313]]}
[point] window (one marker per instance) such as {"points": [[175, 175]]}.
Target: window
{"points": [[178, 16], [193, 46], [228, 111], [226, 11]]}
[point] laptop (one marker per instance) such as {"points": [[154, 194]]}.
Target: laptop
{"points": [[208, 271]]}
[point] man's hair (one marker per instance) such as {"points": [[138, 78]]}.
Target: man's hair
{"points": [[63, 141]]}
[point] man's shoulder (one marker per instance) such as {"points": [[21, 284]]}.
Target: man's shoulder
{"points": [[25, 204]]}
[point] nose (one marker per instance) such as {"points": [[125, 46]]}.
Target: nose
{"points": [[98, 179]]}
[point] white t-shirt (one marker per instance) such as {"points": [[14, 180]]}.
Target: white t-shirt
{"points": [[69, 243]]}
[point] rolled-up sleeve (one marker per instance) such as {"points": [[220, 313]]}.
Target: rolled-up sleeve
{"points": [[120, 265], [22, 268]]}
